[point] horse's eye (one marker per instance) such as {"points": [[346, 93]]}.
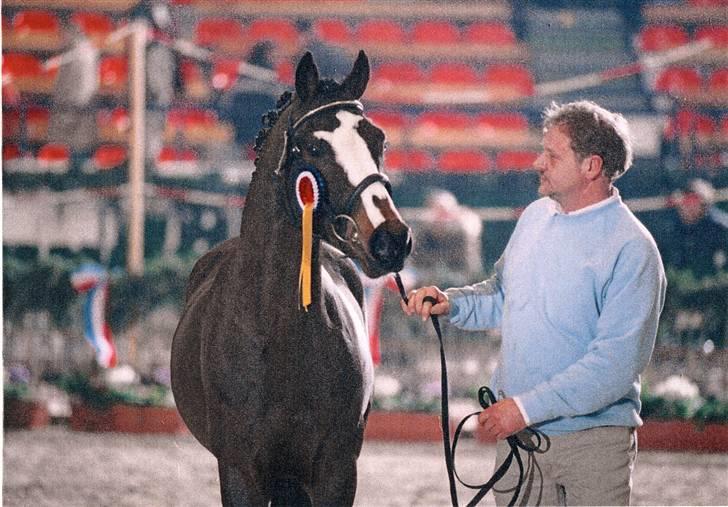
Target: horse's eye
{"points": [[316, 149]]}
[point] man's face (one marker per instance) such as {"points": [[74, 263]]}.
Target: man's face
{"points": [[559, 168]]}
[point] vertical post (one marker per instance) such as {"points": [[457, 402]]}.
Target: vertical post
{"points": [[137, 100]]}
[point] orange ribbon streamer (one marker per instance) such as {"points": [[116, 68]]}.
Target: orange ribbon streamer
{"points": [[304, 277]]}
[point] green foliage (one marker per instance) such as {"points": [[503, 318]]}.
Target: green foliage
{"points": [[15, 391], [656, 407], [38, 285], [712, 411], [99, 396]]}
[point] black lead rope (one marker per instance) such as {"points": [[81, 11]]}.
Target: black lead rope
{"points": [[486, 398]]}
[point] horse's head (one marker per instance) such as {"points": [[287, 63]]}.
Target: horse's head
{"points": [[332, 154]]}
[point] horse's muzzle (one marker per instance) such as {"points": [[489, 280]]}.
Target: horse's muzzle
{"points": [[390, 246]]}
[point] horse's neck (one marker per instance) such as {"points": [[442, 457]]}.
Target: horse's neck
{"points": [[272, 250]]}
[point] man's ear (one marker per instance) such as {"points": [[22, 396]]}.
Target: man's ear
{"points": [[592, 166]]}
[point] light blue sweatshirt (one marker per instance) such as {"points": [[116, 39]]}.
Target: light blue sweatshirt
{"points": [[577, 297]]}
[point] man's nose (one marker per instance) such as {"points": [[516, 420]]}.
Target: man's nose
{"points": [[538, 163]]}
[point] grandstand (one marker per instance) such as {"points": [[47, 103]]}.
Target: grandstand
{"points": [[457, 86]]}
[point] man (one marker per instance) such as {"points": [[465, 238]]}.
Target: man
{"points": [[577, 294]]}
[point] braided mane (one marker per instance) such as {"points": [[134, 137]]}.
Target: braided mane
{"points": [[327, 89]]}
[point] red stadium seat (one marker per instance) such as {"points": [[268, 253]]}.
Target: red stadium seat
{"points": [[11, 151], [463, 161], [393, 123], [708, 3], [95, 25], [194, 81], [662, 37], [12, 125], [515, 160], [225, 73], [176, 162], [26, 73], [224, 34], [35, 29], [334, 31], [36, 123], [509, 81], [408, 160], [490, 33], [398, 72], [502, 129], [718, 82], [285, 71], [460, 74], [718, 34], [438, 120], [435, 32], [687, 123], [679, 81], [724, 129], [378, 31], [113, 125], [283, 32], [113, 75], [109, 156], [54, 157]]}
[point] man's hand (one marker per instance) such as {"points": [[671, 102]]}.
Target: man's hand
{"points": [[417, 305], [502, 419]]}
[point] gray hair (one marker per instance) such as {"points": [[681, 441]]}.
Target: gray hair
{"points": [[594, 131]]}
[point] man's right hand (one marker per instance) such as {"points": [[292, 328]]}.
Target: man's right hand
{"points": [[417, 305]]}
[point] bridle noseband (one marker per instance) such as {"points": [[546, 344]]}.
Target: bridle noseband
{"points": [[290, 155]]}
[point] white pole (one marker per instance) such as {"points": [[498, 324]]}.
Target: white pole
{"points": [[137, 100]]}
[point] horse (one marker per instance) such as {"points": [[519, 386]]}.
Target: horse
{"points": [[278, 388]]}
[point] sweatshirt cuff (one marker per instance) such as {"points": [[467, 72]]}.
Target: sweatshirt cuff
{"points": [[517, 400]]}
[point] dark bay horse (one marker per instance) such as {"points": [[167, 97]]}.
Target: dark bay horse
{"points": [[277, 392]]}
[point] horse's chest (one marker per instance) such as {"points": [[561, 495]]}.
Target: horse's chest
{"points": [[344, 311]]}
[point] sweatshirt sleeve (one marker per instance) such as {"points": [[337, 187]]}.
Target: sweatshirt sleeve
{"points": [[625, 336], [478, 306]]}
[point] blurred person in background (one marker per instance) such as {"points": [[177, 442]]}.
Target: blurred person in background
{"points": [[448, 238], [577, 295], [698, 239], [250, 98]]}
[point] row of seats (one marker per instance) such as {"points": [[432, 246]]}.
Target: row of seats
{"points": [[175, 161], [670, 35], [457, 161], [702, 127], [505, 81], [196, 125], [43, 30], [686, 81]]}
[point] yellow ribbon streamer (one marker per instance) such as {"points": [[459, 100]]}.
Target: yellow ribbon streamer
{"points": [[304, 277]]}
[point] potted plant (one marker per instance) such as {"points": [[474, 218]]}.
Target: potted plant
{"points": [[21, 408], [128, 407]]}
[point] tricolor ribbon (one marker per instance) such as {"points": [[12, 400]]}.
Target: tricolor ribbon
{"points": [[93, 280], [307, 193]]}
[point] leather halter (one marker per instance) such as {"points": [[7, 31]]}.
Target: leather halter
{"points": [[288, 152]]}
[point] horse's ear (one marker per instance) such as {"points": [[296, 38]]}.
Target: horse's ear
{"points": [[307, 77], [356, 82]]}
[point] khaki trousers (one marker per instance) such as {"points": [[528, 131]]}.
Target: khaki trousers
{"points": [[589, 467]]}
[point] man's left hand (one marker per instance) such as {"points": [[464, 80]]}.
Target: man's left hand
{"points": [[502, 419]]}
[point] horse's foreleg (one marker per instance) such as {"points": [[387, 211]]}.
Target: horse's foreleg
{"points": [[238, 489], [335, 481]]}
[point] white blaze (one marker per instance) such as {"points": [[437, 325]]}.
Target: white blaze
{"points": [[353, 155]]}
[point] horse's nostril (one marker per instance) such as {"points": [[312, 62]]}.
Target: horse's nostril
{"points": [[390, 249]]}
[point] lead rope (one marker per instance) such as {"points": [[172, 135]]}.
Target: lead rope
{"points": [[486, 398]]}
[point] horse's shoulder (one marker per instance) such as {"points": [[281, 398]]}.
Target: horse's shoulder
{"points": [[210, 264], [347, 270]]}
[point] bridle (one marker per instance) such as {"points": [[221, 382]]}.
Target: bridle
{"points": [[486, 398], [290, 155]]}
